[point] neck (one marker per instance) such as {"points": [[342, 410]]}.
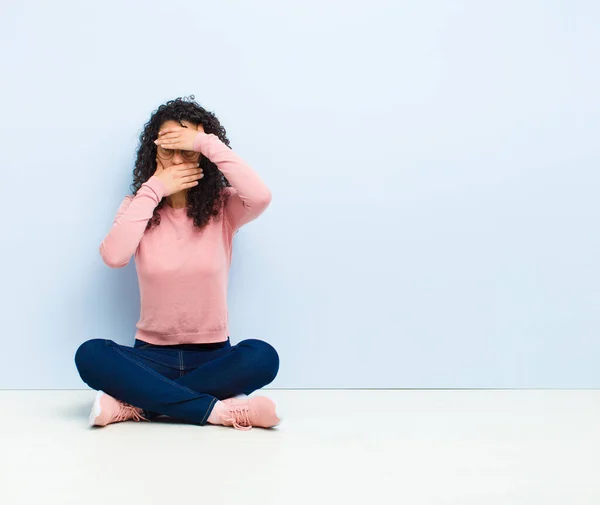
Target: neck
{"points": [[177, 200]]}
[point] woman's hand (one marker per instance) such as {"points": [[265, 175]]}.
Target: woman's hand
{"points": [[178, 137], [178, 177]]}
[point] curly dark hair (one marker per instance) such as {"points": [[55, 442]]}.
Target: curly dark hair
{"points": [[204, 200]]}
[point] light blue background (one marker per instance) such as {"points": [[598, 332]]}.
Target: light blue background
{"points": [[434, 169]]}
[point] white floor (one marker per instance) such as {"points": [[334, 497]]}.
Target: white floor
{"points": [[414, 447]]}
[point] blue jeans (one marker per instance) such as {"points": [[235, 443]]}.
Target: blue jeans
{"points": [[183, 381]]}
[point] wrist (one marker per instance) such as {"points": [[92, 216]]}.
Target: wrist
{"points": [[157, 185], [200, 136]]}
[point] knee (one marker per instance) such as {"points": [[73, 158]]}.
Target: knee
{"points": [[86, 357], [265, 358]]}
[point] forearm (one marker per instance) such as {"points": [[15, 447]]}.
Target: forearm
{"points": [[251, 195], [129, 225]]}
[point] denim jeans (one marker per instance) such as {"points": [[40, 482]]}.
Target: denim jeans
{"points": [[183, 381]]}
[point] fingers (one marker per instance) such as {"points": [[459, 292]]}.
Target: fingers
{"points": [[187, 166], [184, 170], [192, 173], [165, 140], [167, 134], [171, 129], [192, 177]]}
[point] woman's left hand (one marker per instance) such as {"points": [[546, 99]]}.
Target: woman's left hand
{"points": [[178, 137]]}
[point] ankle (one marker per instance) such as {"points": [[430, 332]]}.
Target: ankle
{"points": [[216, 415]]}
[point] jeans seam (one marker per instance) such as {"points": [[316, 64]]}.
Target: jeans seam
{"points": [[213, 401]]}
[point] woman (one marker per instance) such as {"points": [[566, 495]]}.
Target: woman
{"points": [[191, 194]]}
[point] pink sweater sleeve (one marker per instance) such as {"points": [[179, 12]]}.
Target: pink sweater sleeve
{"points": [[130, 223], [249, 196]]}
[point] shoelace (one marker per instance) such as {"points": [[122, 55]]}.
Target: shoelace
{"points": [[126, 412], [240, 417]]}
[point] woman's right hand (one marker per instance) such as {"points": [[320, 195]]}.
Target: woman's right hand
{"points": [[178, 177]]}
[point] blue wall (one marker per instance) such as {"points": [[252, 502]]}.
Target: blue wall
{"points": [[434, 171]]}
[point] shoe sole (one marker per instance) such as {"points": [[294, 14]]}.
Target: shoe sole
{"points": [[278, 413], [96, 409]]}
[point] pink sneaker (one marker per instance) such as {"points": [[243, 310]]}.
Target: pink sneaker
{"points": [[237, 397], [107, 409], [243, 414]]}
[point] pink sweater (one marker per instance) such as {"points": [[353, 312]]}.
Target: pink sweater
{"points": [[183, 274]]}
